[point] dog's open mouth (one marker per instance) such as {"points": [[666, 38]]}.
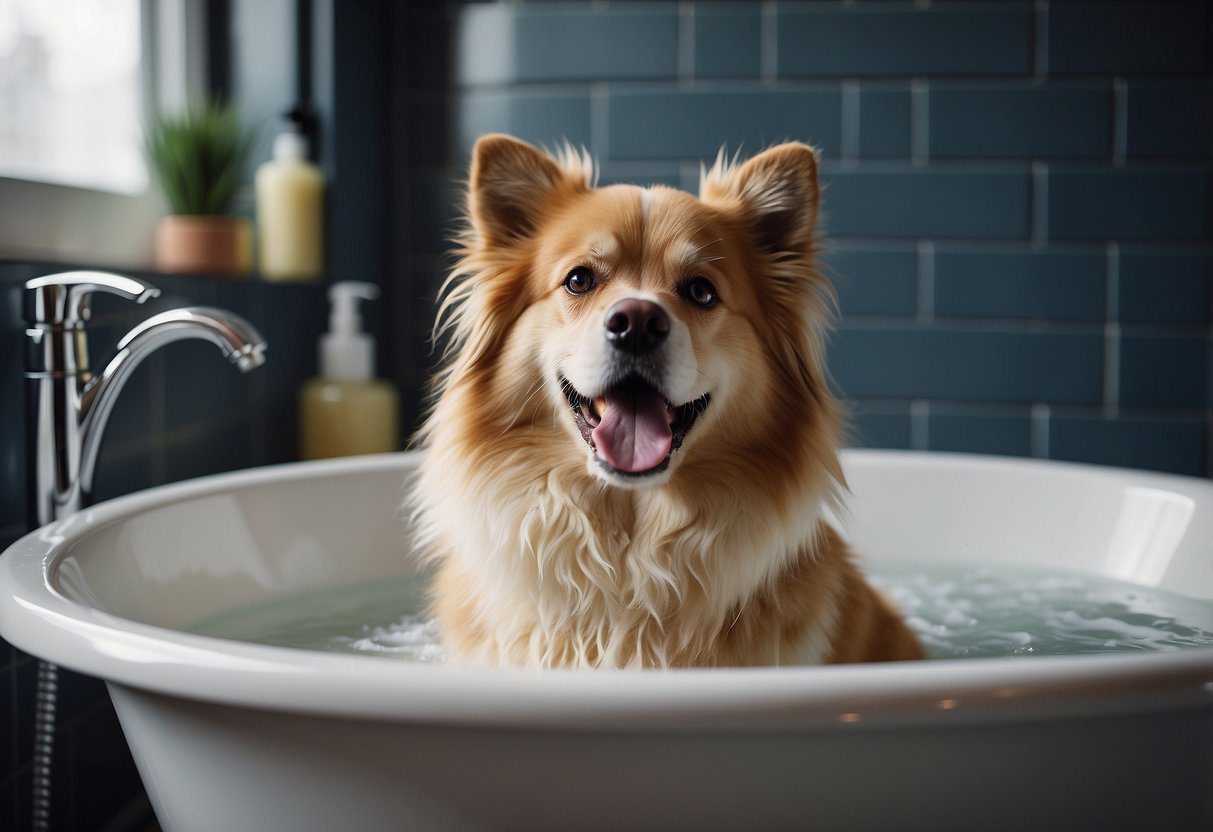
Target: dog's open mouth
{"points": [[632, 428]]}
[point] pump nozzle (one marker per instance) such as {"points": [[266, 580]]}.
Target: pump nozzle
{"points": [[345, 317], [346, 352]]}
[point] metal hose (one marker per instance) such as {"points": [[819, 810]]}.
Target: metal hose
{"points": [[46, 700]]}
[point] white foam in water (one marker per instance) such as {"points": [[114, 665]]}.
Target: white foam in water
{"points": [[378, 618], [981, 612], [412, 637], [958, 611]]}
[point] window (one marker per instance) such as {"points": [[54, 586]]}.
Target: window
{"points": [[71, 93]]}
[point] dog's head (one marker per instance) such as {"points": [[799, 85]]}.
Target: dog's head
{"points": [[641, 330]]}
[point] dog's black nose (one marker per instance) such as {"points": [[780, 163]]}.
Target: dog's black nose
{"points": [[635, 325]]}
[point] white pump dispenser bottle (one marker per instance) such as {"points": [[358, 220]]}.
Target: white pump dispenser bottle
{"points": [[290, 213], [347, 410]]}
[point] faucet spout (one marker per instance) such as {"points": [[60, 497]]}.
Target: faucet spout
{"points": [[236, 338]]}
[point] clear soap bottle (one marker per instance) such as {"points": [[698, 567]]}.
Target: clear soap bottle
{"points": [[346, 410]]}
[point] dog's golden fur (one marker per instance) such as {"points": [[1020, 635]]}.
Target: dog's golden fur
{"points": [[723, 558]]}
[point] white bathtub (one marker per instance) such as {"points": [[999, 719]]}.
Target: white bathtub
{"points": [[229, 735]]}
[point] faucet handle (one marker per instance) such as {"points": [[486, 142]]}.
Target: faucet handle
{"points": [[64, 299]]}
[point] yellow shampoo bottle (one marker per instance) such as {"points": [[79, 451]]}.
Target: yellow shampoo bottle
{"points": [[347, 410], [290, 213]]}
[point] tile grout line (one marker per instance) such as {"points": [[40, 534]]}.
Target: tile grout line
{"points": [[686, 41], [1004, 326], [1040, 40], [1111, 345], [689, 175], [920, 424], [925, 303], [599, 119], [1040, 204], [769, 42], [1112, 286], [1024, 409], [849, 152], [1111, 370], [920, 114], [1120, 120], [1209, 443], [1039, 439]]}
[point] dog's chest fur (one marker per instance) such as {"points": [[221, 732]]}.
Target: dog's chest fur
{"points": [[568, 573]]}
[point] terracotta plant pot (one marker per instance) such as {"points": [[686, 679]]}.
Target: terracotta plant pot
{"points": [[204, 245]]}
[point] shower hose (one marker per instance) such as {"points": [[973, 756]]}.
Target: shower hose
{"points": [[46, 699]]}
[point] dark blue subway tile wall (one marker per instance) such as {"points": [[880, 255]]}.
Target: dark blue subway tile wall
{"points": [[8, 721], [101, 767], [435, 200], [501, 44], [687, 123], [833, 40], [1127, 38], [971, 120], [1169, 118], [885, 117], [873, 278], [24, 674], [727, 40], [1157, 202], [194, 394], [974, 430], [1165, 286], [993, 282], [1166, 371], [1176, 444], [539, 116], [208, 448], [12, 410], [880, 424], [123, 469], [960, 363], [1016, 206], [887, 199], [643, 172]]}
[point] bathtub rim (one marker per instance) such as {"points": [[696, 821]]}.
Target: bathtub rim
{"points": [[38, 619]]}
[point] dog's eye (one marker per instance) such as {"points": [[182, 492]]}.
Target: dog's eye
{"points": [[579, 281], [701, 292]]}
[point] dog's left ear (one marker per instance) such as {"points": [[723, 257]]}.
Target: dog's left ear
{"points": [[510, 185], [777, 191]]}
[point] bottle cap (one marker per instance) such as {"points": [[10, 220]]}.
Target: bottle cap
{"points": [[290, 146], [346, 352]]}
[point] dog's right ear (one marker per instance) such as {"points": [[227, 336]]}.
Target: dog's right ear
{"points": [[509, 186]]}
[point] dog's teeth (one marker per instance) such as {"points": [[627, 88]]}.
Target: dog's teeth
{"points": [[671, 414], [600, 406]]}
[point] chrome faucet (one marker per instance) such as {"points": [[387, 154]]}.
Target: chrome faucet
{"points": [[67, 405]]}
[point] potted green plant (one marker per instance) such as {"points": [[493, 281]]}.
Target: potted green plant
{"points": [[199, 159]]}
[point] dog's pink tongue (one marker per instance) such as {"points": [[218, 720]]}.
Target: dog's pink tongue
{"points": [[634, 434]]}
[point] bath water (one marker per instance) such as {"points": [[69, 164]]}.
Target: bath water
{"points": [[958, 611]]}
